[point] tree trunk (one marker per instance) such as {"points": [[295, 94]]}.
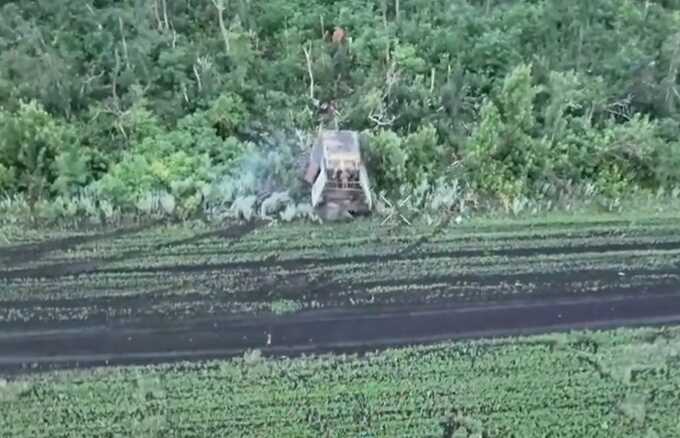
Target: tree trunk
{"points": [[308, 57], [219, 5]]}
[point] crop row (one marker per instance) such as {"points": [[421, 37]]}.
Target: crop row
{"points": [[174, 270], [297, 239], [199, 289], [622, 383]]}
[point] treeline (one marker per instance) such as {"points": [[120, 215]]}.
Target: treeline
{"points": [[198, 100]]}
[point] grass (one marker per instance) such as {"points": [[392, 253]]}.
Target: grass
{"points": [[596, 384]]}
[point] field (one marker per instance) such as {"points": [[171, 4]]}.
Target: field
{"points": [[622, 383], [156, 293]]}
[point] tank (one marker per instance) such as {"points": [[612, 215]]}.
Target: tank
{"points": [[337, 173]]}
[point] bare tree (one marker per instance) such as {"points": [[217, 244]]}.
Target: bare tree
{"points": [[165, 14], [116, 71], [219, 5], [308, 57], [124, 41], [157, 15]]}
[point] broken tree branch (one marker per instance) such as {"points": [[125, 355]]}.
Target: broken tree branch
{"points": [[198, 79], [125, 46], [86, 83], [116, 70], [165, 14], [156, 13], [308, 57], [432, 78], [380, 120], [184, 92]]}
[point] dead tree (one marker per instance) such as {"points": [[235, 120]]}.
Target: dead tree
{"points": [[219, 5]]}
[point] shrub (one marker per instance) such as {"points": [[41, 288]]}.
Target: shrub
{"points": [[387, 157], [7, 178], [182, 163], [71, 170], [281, 307], [502, 157], [185, 176], [30, 139], [226, 114]]}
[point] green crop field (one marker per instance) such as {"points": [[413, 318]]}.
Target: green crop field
{"points": [[179, 272], [624, 383], [163, 273], [204, 330]]}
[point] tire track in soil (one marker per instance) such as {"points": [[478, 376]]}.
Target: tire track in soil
{"points": [[613, 223], [353, 330], [320, 288], [90, 266], [417, 244], [332, 293], [15, 255]]}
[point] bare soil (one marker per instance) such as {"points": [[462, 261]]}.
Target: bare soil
{"points": [[623, 298]]}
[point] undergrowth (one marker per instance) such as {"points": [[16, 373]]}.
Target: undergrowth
{"points": [[434, 205]]}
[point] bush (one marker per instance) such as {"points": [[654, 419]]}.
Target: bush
{"points": [[30, 139], [387, 157], [227, 114], [71, 170], [503, 157], [535, 98], [184, 176], [411, 160], [511, 155], [667, 162], [182, 163], [196, 133], [7, 178], [282, 306]]}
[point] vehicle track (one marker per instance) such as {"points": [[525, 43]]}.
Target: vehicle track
{"points": [[154, 341], [461, 289], [92, 266], [131, 307]]}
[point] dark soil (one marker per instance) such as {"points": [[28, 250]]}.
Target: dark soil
{"points": [[154, 341], [181, 312], [90, 267], [14, 255]]}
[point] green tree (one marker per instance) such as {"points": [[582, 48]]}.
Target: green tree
{"points": [[30, 139]]}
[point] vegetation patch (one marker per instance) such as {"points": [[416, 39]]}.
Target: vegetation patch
{"points": [[180, 271], [492, 388], [180, 110], [281, 307]]}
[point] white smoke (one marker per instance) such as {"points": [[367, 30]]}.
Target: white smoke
{"points": [[265, 181]]}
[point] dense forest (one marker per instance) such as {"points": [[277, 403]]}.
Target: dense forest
{"points": [[190, 105]]}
